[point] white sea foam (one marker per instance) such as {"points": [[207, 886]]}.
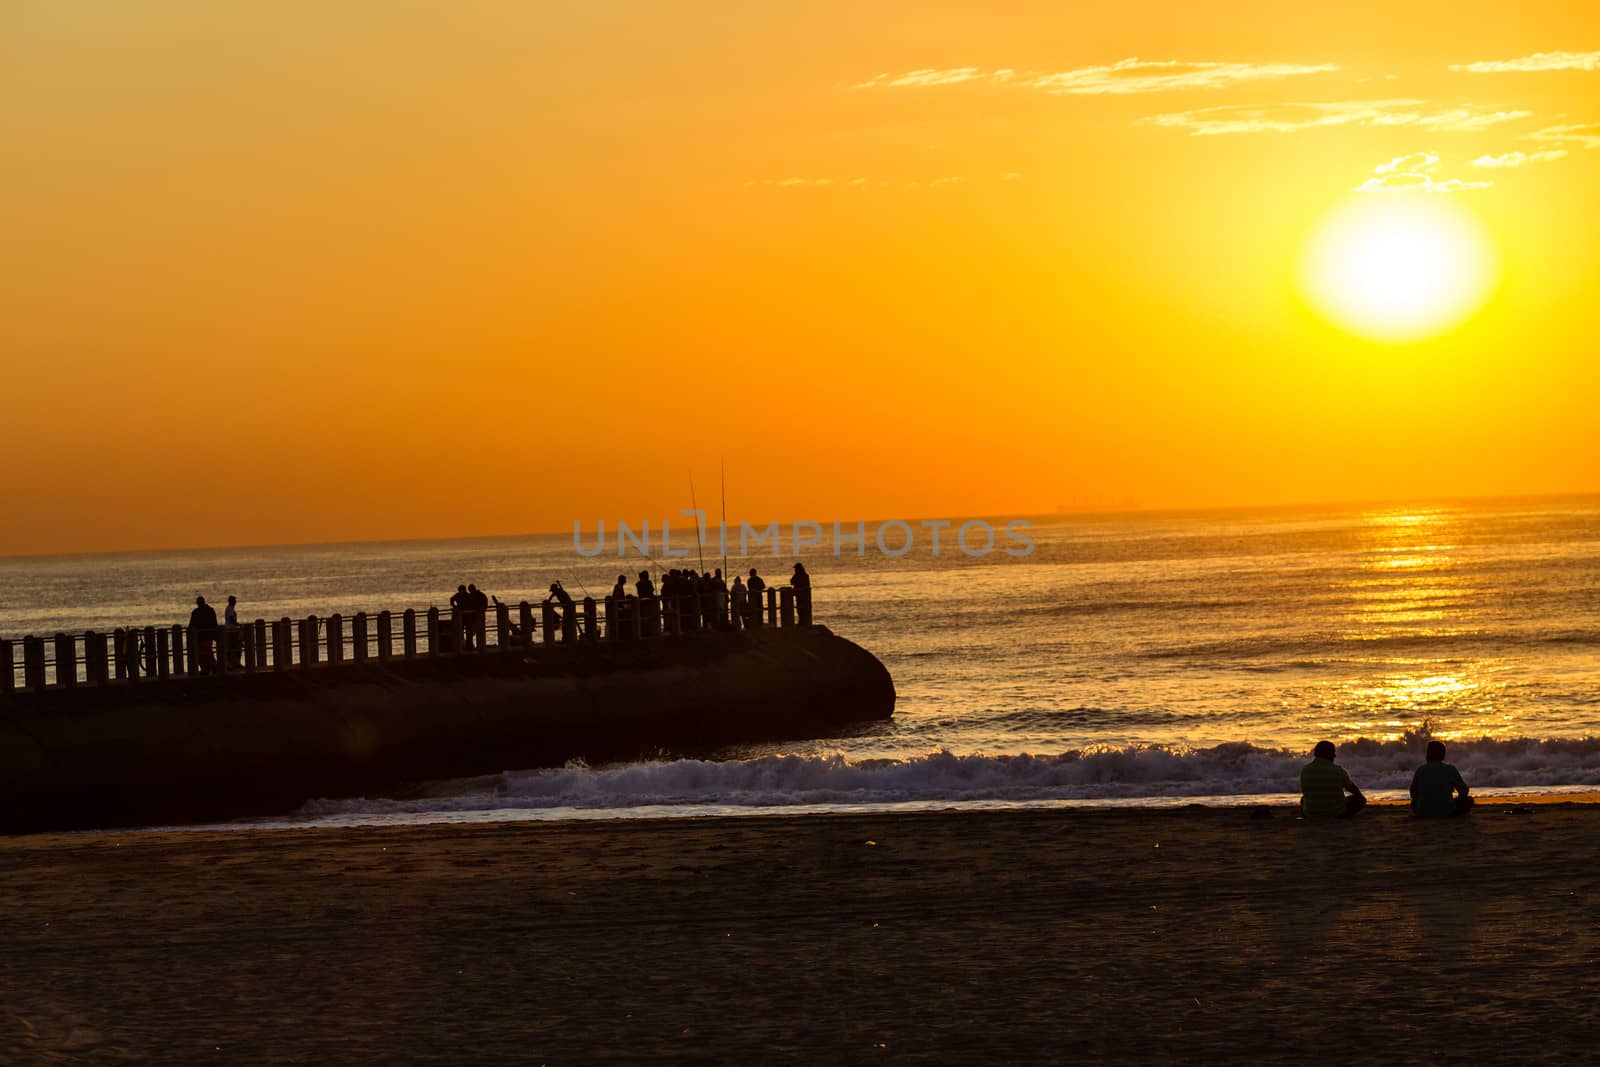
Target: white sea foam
{"points": [[1104, 773]]}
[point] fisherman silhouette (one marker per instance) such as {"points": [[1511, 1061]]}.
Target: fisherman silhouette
{"points": [[478, 614], [1323, 785], [460, 609], [739, 599], [755, 587], [801, 583], [203, 635], [1437, 788], [230, 619], [649, 608], [569, 618]]}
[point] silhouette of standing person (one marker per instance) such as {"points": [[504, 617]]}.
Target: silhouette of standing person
{"points": [[1437, 788], [754, 589], [460, 608], [801, 583], [230, 622], [649, 608], [1323, 785], [740, 600], [203, 635], [478, 616]]}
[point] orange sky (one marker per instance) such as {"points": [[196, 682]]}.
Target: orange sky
{"points": [[309, 272]]}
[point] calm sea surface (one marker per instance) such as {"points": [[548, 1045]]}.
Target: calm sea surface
{"points": [[1139, 658]]}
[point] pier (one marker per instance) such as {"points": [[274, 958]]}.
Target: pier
{"points": [[129, 656]]}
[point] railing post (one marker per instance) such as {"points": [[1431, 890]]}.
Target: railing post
{"points": [[119, 652], [669, 608], [385, 637], [591, 630], [260, 627], [66, 661], [434, 630], [786, 605], [613, 623], [151, 665], [772, 607], [178, 662], [8, 667], [408, 628], [163, 663], [502, 628], [310, 640], [525, 620], [248, 633], [282, 648], [548, 622], [359, 647], [335, 639], [226, 636], [192, 653], [33, 662], [94, 658]]}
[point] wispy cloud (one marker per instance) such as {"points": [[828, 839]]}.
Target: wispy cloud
{"points": [[1585, 135], [1162, 76], [1539, 61], [1414, 173], [931, 76], [1517, 159], [1126, 76], [1290, 118]]}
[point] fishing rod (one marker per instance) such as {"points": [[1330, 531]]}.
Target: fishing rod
{"points": [[698, 540], [724, 462]]}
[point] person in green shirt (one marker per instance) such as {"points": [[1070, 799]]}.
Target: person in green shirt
{"points": [[1437, 789], [1323, 785]]}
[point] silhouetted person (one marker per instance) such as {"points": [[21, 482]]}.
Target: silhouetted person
{"points": [[756, 589], [478, 608], [569, 618], [230, 620], [513, 634], [619, 591], [801, 583], [460, 609], [740, 600], [203, 634], [649, 608], [1437, 789], [1323, 785], [719, 601]]}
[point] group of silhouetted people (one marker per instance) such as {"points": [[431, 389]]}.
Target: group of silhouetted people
{"points": [[696, 602], [1328, 792], [469, 610]]}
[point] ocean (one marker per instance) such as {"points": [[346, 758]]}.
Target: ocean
{"points": [[1143, 659]]}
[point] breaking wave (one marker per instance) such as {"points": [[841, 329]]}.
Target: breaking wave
{"points": [[1100, 772]]}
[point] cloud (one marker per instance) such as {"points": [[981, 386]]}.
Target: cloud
{"points": [[1517, 159], [1539, 61], [1123, 77], [1161, 76], [917, 78], [1586, 135], [1290, 118], [1414, 173]]}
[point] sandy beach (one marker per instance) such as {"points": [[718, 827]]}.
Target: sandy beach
{"points": [[1032, 936]]}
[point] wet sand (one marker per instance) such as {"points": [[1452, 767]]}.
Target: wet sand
{"points": [[1032, 936]]}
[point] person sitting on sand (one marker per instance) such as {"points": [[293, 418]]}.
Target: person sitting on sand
{"points": [[1437, 789], [1323, 785]]}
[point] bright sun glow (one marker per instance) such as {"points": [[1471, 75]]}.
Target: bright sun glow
{"points": [[1399, 267]]}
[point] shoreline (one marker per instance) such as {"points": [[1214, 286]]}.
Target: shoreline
{"points": [[1020, 936]]}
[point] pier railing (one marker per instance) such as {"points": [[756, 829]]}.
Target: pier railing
{"points": [[129, 655]]}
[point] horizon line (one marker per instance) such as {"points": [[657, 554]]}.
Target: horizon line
{"points": [[1060, 513]]}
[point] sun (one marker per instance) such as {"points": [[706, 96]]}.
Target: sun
{"points": [[1399, 267]]}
